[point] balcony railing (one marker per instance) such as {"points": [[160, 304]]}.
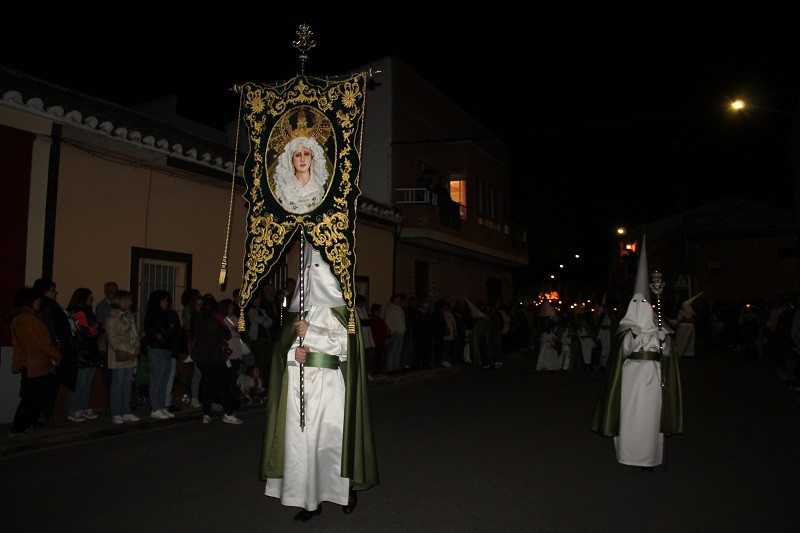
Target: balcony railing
{"points": [[417, 195], [450, 213]]}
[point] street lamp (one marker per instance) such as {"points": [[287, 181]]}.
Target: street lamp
{"points": [[740, 105]]}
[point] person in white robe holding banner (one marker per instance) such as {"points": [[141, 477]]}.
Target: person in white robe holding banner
{"points": [[313, 453]]}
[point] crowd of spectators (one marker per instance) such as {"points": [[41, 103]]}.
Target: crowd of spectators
{"points": [[56, 346], [226, 368]]}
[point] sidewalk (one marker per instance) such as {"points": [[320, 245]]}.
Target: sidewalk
{"points": [[61, 432]]}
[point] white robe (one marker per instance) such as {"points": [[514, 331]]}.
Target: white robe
{"points": [[566, 350], [640, 442], [313, 457], [587, 345], [604, 338], [548, 356]]}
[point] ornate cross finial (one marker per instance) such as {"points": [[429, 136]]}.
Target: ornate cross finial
{"points": [[304, 44], [657, 286]]}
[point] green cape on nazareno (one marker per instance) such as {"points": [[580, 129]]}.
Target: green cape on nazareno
{"points": [[359, 461]]}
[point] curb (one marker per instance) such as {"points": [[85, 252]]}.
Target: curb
{"points": [[61, 432]]}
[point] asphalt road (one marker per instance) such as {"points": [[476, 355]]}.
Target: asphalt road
{"points": [[497, 450]]}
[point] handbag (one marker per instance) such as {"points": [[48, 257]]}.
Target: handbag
{"points": [[123, 356], [87, 354]]}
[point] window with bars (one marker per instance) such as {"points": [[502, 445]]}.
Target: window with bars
{"points": [[153, 270]]}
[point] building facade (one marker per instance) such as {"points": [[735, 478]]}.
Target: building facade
{"points": [[449, 176], [97, 192]]}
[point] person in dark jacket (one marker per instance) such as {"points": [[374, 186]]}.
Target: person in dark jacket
{"points": [[209, 350], [87, 354], [160, 334], [55, 318]]}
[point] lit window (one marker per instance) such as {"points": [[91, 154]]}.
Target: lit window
{"points": [[458, 193]]}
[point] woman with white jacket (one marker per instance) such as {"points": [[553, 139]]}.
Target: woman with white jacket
{"points": [[123, 350]]}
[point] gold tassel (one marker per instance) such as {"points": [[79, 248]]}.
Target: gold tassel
{"points": [[241, 319], [351, 324], [223, 271]]}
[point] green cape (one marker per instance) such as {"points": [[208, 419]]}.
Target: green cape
{"points": [[359, 461], [606, 413], [575, 354], [484, 344]]}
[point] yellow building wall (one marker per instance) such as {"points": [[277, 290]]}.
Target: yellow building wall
{"points": [[106, 207], [375, 259]]}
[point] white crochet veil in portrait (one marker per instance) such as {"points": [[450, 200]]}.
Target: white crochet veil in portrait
{"points": [[288, 190]]}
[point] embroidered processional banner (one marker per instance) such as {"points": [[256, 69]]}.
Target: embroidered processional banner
{"points": [[302, 172]]}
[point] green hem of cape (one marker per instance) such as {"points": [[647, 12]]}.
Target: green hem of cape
{"points": [[359, 460], [606, 415]]}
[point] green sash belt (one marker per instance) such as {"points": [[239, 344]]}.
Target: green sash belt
{"points": [[322, 360], [645, 356]]}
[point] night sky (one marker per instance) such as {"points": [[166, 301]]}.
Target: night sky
{"points": [[613, 116]]}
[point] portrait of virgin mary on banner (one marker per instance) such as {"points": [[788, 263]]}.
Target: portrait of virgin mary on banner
{"points": [[301, 174]]}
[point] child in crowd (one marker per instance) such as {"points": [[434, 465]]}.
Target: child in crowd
{"points": [[249, 384]]}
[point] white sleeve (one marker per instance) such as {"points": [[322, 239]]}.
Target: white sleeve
{"points": [[325, 334]]}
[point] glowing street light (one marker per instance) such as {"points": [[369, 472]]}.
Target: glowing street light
{"points": [[740, 105], [621, 231]]}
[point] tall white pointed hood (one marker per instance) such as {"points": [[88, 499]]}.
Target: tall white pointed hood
{"points": [[476, 313], [640, 317], [320, 287], [687, 312], [547, 311]]}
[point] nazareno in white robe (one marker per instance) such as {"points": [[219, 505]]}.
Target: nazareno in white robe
{"points": [[604, 338], [313, 457], [640, 441], [587, 345], [548, 356]]}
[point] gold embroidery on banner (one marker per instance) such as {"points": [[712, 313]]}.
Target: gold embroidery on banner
{"points": [[269, 233]]}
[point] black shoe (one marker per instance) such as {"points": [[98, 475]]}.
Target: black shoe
{"points": [[305, 516], [352, 500]]}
